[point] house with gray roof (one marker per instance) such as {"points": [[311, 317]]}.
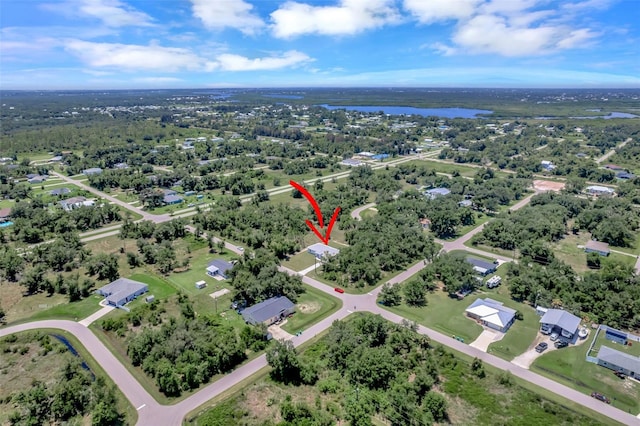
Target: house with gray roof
{"points": [[322, 251], [481, 266], [269, 311], [597, 247], [436, 192], [219, 267], [60, 191], [492, 314], [122, 291], [559, 321], [619, 361], [92, 171]]}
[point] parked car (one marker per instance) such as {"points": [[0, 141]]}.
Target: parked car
{"points": [[600, 397], [620, 374], [561, 344], [542, 346], [554, 337], [545, 330], [338, 290]]}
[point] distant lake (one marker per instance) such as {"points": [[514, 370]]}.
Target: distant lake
{"points": [[593, 117], [404, 110], [278, 96]]}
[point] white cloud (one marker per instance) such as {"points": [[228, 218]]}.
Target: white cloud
{"points": [[443, 49], [134, 57], [172, 59], [428, 11], [154, 80], [216, 14], [231, 62], [112, 13], [349, 17]]}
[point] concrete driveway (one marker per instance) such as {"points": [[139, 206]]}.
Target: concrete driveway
{"points": [[526, 359], [485, 339]]}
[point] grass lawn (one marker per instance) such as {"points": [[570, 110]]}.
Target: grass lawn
{"points": [[443, 167], [300, 261], [159, 287], [466, 254], [311, 307], [370, 212], [633, 350], [7, 203], [74, 311], [444, 314], [490, 249], [569, 367], [185, 281], [568, 251], [520, 335]]}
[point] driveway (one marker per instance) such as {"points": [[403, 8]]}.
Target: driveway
{"points": [[278, 333], [526, 359], [485, 339], [97, 315]]}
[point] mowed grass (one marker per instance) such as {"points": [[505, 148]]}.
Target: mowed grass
{"points": [[300, 261], [520, 335], [7, 204], [311, 307], [568, 251], [633, 350], [569, 367], [444, 314]]}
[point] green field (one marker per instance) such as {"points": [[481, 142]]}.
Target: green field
{"points": [[569, 367], [520, 335], [311, 307]]}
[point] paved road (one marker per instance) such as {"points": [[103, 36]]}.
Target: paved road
{"points": [[613, 151], [356, 213]]}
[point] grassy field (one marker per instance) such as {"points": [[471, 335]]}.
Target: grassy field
{"points": [[300, 261], [311, 307], [19, 370], [570, 368], [7, 203]]}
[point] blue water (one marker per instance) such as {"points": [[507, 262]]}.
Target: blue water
{"points": [[283, 96], [593, 117], [69, 346], [425, 112], [5, 224]]}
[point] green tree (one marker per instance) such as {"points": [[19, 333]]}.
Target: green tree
{"points": [[283, 359], [593, 260], [390, 295], [435, 403], [414, 293]]}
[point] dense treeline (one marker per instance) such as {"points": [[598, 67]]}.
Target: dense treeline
{"points": [[71, 395], [256, 278], [182, 352], [367, 367]]}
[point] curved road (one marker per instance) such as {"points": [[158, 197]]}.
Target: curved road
{"points": [[355, 214]]}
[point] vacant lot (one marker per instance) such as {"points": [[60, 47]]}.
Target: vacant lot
{"points": [[311, 307]]}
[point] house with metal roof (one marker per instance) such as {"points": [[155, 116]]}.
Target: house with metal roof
{"points": [[619, 361], [559, 321], [269, 311], [219, 267], [597, 247], [600, 190], [492, 314], [60, 191], [322, 251], [436, 192], [92, 171], [5, 214], [122, 291], [482, 266]]}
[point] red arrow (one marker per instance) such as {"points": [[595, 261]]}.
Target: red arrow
{"points": [[316, 208]]}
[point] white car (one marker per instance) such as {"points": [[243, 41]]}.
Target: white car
{"points": [[554, 337]]}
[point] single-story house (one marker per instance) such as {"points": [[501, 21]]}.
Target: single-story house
{"points": [[60, 191], [172, 199], [121, 166], [56, 159], [380, 157], [269, 311], [72, 203], [547, 165], [436, 192], [351, 162], [625, 175], [492, 314], [613, 167], [219, 267], [599, 190], [559, 321], [597, 247], [465, 203], [92, 171], [482, 266], [322, 251], [366, 154], [122, 291], [5, 214], [619, 361], [37, 179]]}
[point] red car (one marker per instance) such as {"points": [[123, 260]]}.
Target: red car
{"points": [[339, 290]]}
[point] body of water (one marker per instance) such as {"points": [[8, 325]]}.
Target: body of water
{"points": [[277, 96], [69, 346], [5, 224], [403, 110], [593, 117]]}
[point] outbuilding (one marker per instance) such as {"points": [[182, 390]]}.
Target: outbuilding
{"points": [[597, 247], [269, 311], [201, 284]]}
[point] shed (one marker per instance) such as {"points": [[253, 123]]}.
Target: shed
{"points": [[597, 247], [201, 284], [322, 251], [122, 291], [150, 298], [269, 311]]}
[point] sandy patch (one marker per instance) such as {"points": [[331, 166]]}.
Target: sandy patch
{"points": [[547, 185], [309, 308]]}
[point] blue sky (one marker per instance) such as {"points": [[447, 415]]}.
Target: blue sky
{"points": [[89, 44]]}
